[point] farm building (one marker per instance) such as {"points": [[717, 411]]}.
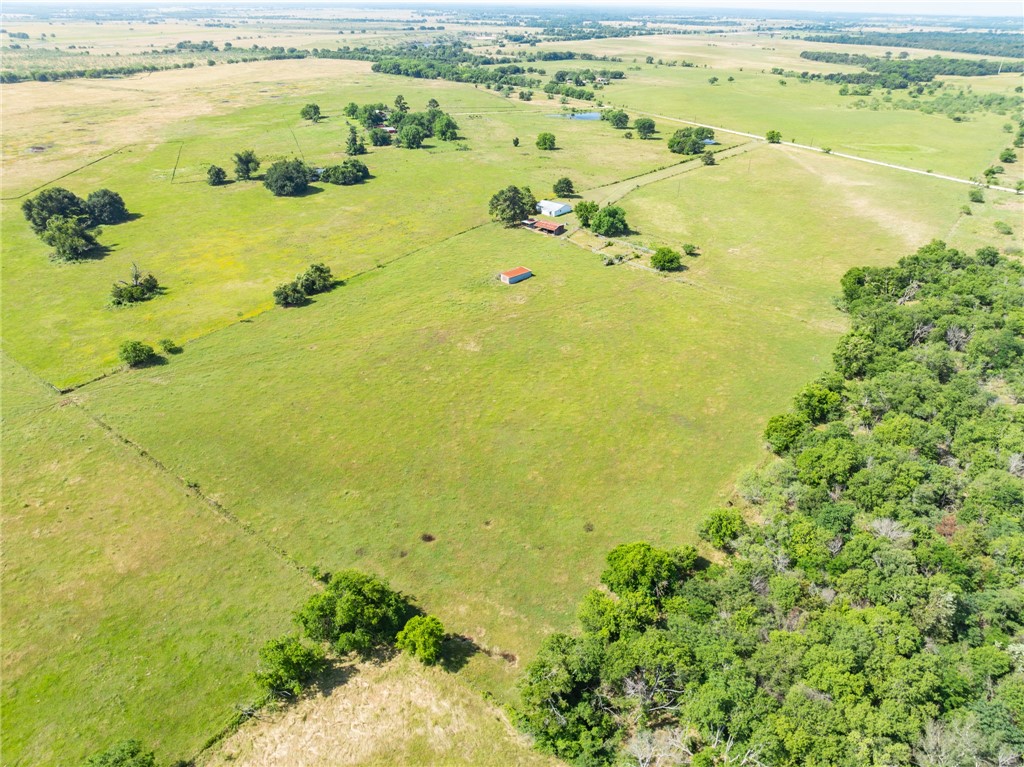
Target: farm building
{"points": [[549, 208], [390, 130], [512, 276], [549, 227]]}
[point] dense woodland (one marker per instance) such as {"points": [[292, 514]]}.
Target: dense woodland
{"points": [[901, 73], [868, 606], [983, 43]]}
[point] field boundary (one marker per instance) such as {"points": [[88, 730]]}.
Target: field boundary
{"points": [[69, 173]]}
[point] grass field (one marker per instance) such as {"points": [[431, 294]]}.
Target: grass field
{"points": [[130, 608], [526, 429]]}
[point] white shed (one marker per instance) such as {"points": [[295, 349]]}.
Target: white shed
{"points": [[549, 208]]}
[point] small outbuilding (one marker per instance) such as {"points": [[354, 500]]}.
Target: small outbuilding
{"points": [[391, 131], [512, 276], [549, 227], [549, 208]]}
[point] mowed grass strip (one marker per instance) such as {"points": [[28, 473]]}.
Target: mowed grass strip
{"points": [[129, 608]]}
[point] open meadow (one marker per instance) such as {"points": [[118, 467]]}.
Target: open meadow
{"points": [[480, 445]]}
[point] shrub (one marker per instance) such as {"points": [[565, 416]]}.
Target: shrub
{"points": [[773, 136], [310, 112], [215, 175], [135, 353], [168, 346], [286, 178], [351, 171], [515, 141], [422, 638], [289, 294], [1003, 228], [1007, 155], [722, 527], [708, 158], [690, 249], [286, 664], [246, 164], [127, 753], [546, 141], [976, 195], [138, 288], [666, 259], [610, 221]]}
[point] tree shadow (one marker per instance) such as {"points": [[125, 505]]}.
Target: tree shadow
{"points": [[309, 191], [456, 651], [95, 253], [337, 673]]}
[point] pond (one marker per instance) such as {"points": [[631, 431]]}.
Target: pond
{"points": [[579, 116]]}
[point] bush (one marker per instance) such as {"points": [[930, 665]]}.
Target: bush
{"points": [[783, 431], [215, 175], [105, 207], [585, 212], [55, 201], [666, 259], [246, 164], [546, 141], [316, 279], [708, 158], [290, 294], [136, 354], [68, 236], [168, 346], [773, 137], [422, 638], [1003, 228], [286, 178], [610, 221], [1007, 155], [690, 249], [127, 753], [286, 664], [564, 187], [722, 527], [310, 112], [976, 195], [350, 172], [380, 137]]}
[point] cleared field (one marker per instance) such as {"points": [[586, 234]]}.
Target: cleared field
{"points": [[354, 725], [220, 251], [130, 609]]}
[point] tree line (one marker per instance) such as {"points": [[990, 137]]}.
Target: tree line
{"points": [[983, 43], [873, 613]]}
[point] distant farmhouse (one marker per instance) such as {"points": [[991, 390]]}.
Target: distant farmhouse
{"points": [[549, 208]]}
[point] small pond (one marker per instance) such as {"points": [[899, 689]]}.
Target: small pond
{"points": [[579, 116]]}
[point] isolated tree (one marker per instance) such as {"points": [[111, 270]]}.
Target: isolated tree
{"points": [[310, 112], [511, 205], [445, 128], [422, 638], [644, 127], [401, 106], [432, 104], [617, 118], [1007, 155], [708, 157], [610, 221], [411, 136], [564, 187], [690, 249], [585, 212], [105, 207], [68, 236], [712, 80], [286, 664], [666, 260], [546, 141], [55, 201], [135, 353], [290, 294], [126, 753], [380, 137], [354, 146], [773, 137], [246, 164], [351, 109], [316, 279], [515, 141], [215, 175], [286, 178]]}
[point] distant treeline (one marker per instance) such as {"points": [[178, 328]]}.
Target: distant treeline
{"points": [[897, 74], [983, 43]]}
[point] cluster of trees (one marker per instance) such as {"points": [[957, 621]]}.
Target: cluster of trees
{"points": [[136, 288], [873, 615], [512, 205], [351, 171], [644, 126], [690, 140], [412, 128], [899, 73], [984, 43], [609, 221], [583, 77], [569, 91], [316, 279], [67, 223]]}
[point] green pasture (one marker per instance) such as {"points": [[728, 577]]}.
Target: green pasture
{"points": [[129, 608], [220, 251]]}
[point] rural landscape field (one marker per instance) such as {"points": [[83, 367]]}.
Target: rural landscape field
{"points": [[297, 470]]}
